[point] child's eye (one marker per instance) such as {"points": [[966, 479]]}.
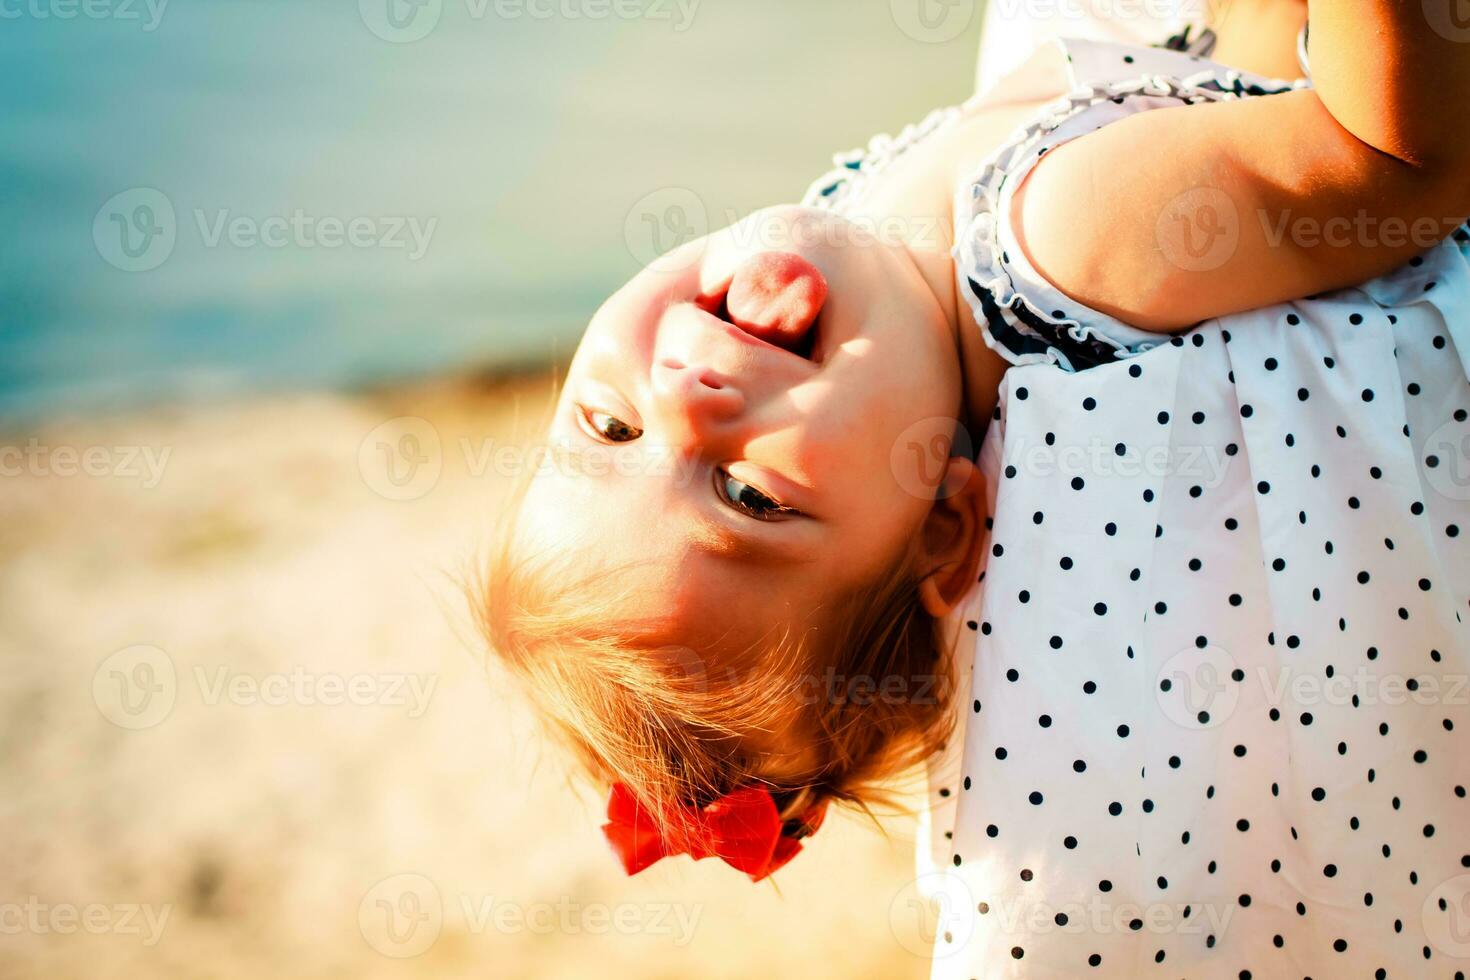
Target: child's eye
{"points": [[750, 500], [609, 428]]}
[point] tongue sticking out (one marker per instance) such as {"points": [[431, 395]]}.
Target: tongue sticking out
{"points": [[776, 296]]}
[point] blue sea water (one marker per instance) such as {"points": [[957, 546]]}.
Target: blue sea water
{"points": [[200, 198]]}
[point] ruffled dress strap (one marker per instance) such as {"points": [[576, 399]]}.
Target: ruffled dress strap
{"points": [[1024, 317]]}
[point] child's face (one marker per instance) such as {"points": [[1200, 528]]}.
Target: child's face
{"points": [[733, 486]]}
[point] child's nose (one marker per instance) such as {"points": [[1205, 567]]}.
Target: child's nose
{"points": [[694, 403]]}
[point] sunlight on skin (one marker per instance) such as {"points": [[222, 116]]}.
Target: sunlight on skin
{"points": [[718, 418]]}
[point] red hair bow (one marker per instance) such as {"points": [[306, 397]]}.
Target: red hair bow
{"points": [[742, 828]]}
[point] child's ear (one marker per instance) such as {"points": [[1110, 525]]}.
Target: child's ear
{"points": [[950, 542]]}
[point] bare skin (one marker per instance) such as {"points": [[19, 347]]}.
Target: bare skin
{"points": [[789, 482], [1370, 146], [1089, 216]]}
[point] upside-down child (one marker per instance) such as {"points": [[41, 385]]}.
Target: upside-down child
{"points": [[1189, 473]]}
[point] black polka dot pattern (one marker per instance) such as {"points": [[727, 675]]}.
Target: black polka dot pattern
{"points": [[1241, 619]]}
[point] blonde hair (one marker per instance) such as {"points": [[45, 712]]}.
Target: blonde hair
{"points": [[864, 701]]}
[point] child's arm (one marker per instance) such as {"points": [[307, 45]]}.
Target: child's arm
{"points": [[1325, 185]]}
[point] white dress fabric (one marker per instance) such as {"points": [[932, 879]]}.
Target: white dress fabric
{"points": [[1217, 705], [1007, 39]]}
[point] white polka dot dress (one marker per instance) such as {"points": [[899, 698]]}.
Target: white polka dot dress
{"points": [[1217, 704]]}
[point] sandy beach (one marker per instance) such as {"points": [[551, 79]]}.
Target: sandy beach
{"points": [[248, 732]]}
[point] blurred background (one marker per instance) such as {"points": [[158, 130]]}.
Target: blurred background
{"points": [[277, 280]]}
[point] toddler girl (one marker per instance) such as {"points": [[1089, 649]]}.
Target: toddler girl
{"points": [[746, 587]]}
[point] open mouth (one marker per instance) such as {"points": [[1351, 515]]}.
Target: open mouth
{"points": [[806, 346], [775, 298]]}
